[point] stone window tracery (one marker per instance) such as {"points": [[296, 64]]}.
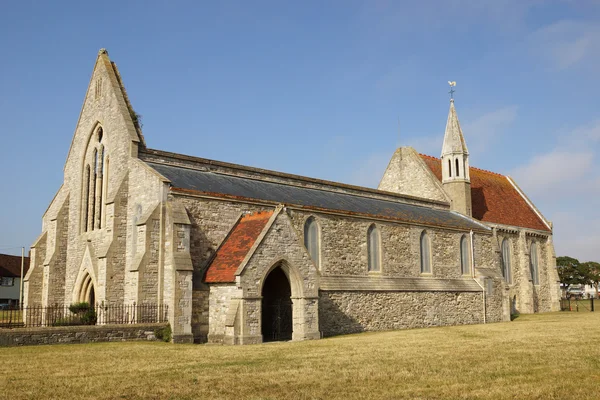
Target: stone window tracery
{"points": [[312, 240], [374, 249], [94, 188], [425, 253]]}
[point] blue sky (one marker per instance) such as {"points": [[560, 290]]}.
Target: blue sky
{"points": [[315, 88]]}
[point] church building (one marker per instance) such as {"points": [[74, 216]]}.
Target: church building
{"points": [[242, 255]]}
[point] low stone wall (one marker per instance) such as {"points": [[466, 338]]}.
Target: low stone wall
{"points": [[78, 334]]}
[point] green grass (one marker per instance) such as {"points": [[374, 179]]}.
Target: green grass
{"points": [[547, 356]]}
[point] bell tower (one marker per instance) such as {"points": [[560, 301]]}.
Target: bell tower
{"points": [[455, 164]]}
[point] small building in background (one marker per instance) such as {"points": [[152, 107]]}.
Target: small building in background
{"points": [[10, 279]]}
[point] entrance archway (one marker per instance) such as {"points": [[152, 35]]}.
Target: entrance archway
{"points": [[276, 307], [87, 293]]}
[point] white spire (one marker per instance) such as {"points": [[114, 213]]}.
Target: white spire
{"points": [[454, 141]]}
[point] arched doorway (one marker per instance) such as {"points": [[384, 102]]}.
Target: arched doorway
{"points": [[87, 293], [276, 307]]}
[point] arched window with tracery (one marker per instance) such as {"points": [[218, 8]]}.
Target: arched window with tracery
{"points": [[374, 249], [312, 241], [425, 253], [94, 188], [506, 269]]}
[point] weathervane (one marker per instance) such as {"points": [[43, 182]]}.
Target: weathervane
{"points": [[452, 86]]}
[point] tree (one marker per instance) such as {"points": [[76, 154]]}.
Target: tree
{"points": [[592, 272], [570, 272]]}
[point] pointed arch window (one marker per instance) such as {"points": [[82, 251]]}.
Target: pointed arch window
{"points": [[465, 262], [374, 249], [506, 271], [312, 241], [533, 264], [457, 169], [450, 168], [86, 199], [425, 253], [93, 183]]}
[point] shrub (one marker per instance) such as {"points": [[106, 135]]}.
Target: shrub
{"points": [[164, 333]]}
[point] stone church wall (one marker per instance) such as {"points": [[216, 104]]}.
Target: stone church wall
{"points": [[352, 312], [344, 247]]}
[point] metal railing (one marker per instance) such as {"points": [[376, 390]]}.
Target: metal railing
{"points": [[82, 314], [577, 304]]}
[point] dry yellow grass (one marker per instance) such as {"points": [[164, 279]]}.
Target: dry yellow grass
{"points": [[548, 356]]}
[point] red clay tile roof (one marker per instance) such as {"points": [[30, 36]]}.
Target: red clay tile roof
{"points": [[10, 266], [236, 246], [494, 198]]}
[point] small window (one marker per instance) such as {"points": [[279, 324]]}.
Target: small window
{"points": [[450, 168], [506, 272], [373, 248], [311, 240], [533, 264], [7, 281], [457, 170], [465, 265], [425, 253]]}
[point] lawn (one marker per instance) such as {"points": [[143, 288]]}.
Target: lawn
{"points": [[548, 356]]}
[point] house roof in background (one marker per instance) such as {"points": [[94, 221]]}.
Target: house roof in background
{"points": [[10, 266]]}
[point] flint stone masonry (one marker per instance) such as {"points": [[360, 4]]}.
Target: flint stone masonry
{"points": [[353, 312], [79, 334]]}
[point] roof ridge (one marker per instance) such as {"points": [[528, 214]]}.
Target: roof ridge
{"points": [[470, 166]]}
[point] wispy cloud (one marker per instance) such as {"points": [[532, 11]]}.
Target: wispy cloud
{"points": [[565, 184], [369, 171], [555, 172], [481, 132], [566, 43]]}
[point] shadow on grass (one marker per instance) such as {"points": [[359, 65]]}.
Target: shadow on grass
{"points": [[514, 316]]}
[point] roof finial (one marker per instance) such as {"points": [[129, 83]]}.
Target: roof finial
{"points": [[103, 51], [452, 86]]}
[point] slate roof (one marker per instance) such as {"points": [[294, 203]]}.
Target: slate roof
{"points": [[494, 198], [236, 187], [10, 266], [236, 246]]}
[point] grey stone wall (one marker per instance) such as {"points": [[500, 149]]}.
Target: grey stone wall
{"points": [[219, 306], [407, 174], [344, 247], [352, 312], [78, 334]]}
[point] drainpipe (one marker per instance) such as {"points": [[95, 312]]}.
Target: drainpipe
{"points": [[473, 275]]}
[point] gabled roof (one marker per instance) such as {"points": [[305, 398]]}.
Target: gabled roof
{"points": [[10, 266], [494, 198], [235, 247], [454, 141], [185, 180]]}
